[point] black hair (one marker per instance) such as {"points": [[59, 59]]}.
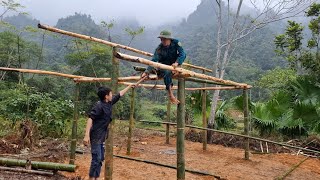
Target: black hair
{"points": [[102, 92]]}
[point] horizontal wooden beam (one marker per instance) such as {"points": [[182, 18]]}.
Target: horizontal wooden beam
{"points": [[33, 71], [184, 72], [215, 88], [163, 87], [196, 67], [192, 79]]}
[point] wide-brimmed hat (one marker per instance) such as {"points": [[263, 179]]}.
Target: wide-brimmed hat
{"points": [[165, 34]]}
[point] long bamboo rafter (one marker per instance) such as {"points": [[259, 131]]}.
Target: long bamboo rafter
{"points": [[72, 34]]}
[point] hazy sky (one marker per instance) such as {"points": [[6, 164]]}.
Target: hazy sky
{"points": [[147, 12]]}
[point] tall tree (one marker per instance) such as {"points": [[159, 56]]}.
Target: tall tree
{"points": [[239, 27]]}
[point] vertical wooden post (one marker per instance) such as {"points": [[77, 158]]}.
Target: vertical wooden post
{"points": [[74, 124], [109, 140], [246, 122], [180, 130], [168, 120], [204, 117], [131, 121]]}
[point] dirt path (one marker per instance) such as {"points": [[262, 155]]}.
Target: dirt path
{"points": [[225, 162]]}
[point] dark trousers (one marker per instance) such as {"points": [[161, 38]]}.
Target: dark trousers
{"points": [[97, 152]]}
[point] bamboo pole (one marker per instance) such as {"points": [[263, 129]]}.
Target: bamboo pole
{"points": [[196, 67], [147, 85], [43, 173], [168, 166], [246, 123], [109, 140], [75, 125], [90, 79], [214, 88], [168, 120], [163, 87], [180, 130], [239, 135], [131, 121], [37, 165], [89, 38], [120, 79], [180, 70], [142, 69], [292, 169], [204, 118], [41, 72]]}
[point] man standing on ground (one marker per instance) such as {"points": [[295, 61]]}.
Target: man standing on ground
{"points": [[97, 127]]}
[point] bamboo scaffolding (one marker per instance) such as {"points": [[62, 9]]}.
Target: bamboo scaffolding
{"points": [[41, 72], [180, 130], [183, 72], [165, 165], [68, 33], [37, 165], [239, 135], [43, 173]]}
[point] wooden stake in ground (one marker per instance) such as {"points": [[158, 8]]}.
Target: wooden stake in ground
{"points": [[180, 130], [131, 121], [75, 124], [246, 122], [109, 140]]}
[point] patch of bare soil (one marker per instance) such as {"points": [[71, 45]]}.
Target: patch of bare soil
{"points": [[226, 162]]}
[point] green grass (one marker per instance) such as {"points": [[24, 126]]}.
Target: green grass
{"points": [[147, 110]]}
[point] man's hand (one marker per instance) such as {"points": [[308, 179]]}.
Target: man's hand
{"points": [[175, 65], [86, 140], [144, 75]]}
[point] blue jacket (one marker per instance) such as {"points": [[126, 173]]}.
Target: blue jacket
{"points": [[169, 55]]}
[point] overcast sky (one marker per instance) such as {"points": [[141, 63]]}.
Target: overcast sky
{"points": [[147, 12]]}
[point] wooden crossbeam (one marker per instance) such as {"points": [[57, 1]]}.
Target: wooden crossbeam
{"points": [[184, 72]]}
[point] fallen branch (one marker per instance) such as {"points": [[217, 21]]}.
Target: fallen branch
{"points": [[291, 169], [168, 166]]}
